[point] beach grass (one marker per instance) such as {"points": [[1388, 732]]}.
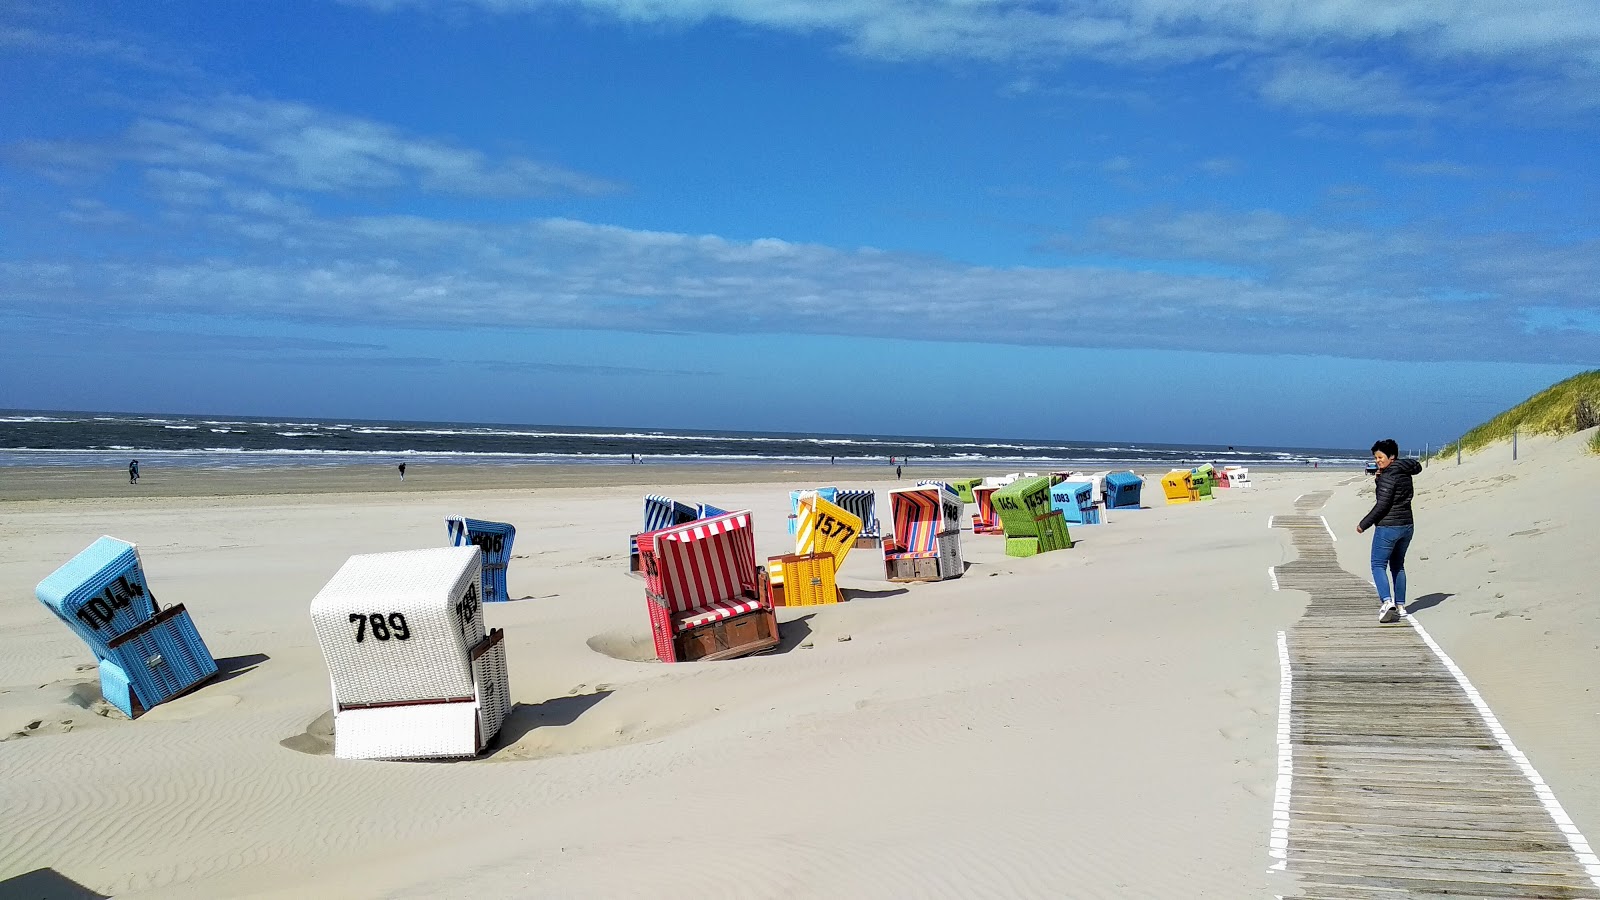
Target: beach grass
{"points": [[1563, 408]]}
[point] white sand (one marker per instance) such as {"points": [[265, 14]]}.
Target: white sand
{"points": [[1091, 723]]}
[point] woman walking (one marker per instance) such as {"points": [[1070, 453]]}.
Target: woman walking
{"points": [[1391, 514]]}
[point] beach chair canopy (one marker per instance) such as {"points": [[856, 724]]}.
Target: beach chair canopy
{"points": [[1021, 503], [664, 512], [703, 571], [146, 655], [1075, 501], [1238, 476], [984, 520], [921, 516], [830, 494], [863, 504], [493, 540]]}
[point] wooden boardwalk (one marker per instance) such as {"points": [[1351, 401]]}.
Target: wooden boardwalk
{"points": [[1399, 786]]}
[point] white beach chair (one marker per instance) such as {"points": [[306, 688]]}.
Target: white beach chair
{"points": [[1238, 476], [414, 675]]}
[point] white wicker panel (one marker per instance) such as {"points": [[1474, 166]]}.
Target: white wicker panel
{"points": [[424, 731], [951, 564], [434, 593], [494, 691]]}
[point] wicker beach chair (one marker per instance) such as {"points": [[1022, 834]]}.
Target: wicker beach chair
{"points": [[1075, 501], [1178, 485], [1122, 490], [984, 521], [493, 540], [926, 544], [1032, 525], [863, 504], [146, 655], [1204, 481], [414, 674], [659, 512], [703, 590], [825, 530], [1238, 476]]}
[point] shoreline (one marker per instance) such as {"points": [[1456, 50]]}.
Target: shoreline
{"points": [[35, 483]]}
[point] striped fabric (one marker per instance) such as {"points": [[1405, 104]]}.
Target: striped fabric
{"points": [[705, 615], [836, 535], [707, 562], [984, 521], [918, 519], [664, 512], [863, 504]]}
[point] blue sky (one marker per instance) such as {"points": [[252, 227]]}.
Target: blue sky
{"points": [[1242, 222]]}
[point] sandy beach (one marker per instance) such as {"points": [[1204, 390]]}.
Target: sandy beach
{"points": [[1091, 723]]}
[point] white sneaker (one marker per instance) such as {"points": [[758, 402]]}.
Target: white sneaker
{"points": [[1388, 613]]}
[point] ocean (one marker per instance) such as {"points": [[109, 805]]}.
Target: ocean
{"points": [[47, 438]]}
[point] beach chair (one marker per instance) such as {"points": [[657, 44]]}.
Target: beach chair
{"points": [[703, 590], [863, 504], [1178, 485], [830, 494], [926, 544], [706, 511], [146, 655], [493, 540], [1032, 525], [1238, 476], [414, 674], [826, 532], [1122, 490], [984, 521], [963, 488], [1075, 501], [1204, 482], [659, 512]]}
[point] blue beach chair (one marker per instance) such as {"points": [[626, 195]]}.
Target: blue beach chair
{"points": [[494, 539], [1122, 490], [864, 505], [830, 494], [659, 512], [147, 655], [1075, 501]]}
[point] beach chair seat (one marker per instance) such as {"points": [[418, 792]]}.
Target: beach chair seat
{"points": [[493, 540], [145, 655], [413, 671], [926, 543], [703, 590], [1122, 490]]}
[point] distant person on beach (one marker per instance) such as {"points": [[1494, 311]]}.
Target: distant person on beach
{"points": [[402, 471], [896, 473], [133, 472], [1391, 514]]}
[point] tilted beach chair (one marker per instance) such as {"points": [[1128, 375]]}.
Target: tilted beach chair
{"points": [[493, 540], [1238, 476], [964, 488], [414, 674], [863, 504], [1032, 525], [659, 512], [146, 655], [809, 576], [703, 590], [984, 521], [926, 544], [1178, 485], [1203, 481], [1122, 490], [1075, 501]]}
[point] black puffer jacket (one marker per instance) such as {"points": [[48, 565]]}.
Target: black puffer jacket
{"points": [[1394, 495]]}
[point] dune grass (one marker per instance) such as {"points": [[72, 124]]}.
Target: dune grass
{"points": [[1594, 443], [1562, 408]]}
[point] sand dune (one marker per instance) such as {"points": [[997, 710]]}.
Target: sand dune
{"points": [[1091, 723]]}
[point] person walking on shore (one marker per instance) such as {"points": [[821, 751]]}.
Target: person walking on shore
{"points": [[133, 472], [402, 471], [1391, 517]]}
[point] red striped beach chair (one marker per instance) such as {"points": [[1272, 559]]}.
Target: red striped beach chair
{"points": [[984, 521], [926, 544], [703, 590]]}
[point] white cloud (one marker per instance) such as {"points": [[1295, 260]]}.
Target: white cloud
{"points": [[298, 147], [1323, 87], [1437, 168], [1287, 285]]}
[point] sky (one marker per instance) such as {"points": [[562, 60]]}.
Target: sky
{"points": [[1230, 221]]}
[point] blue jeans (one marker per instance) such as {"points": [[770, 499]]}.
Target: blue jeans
{"points": [[1389, 543]]}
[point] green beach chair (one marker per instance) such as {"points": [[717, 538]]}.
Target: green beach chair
{"points": [[1032, 526]]}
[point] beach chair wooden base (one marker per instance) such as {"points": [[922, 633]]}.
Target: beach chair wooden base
{"points": [[921, 568], [740, 635], [447, 728], [808, 580], [865, 541]]}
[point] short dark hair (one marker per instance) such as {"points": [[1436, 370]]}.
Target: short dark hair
{"points": [[1387, 447]]}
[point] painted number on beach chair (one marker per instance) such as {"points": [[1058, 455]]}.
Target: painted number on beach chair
{"points": [[489, 543], [467, 607], [1006, 503], [383, 627], [832, 527], [99, 611]]}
